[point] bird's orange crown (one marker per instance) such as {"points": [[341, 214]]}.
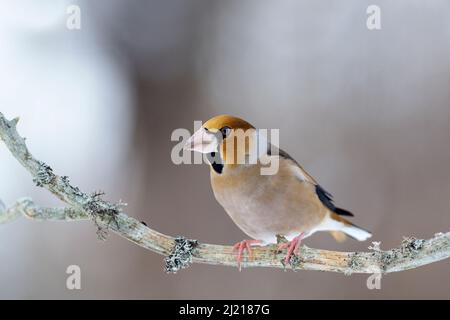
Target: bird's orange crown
{"points": [[236, 132], [225, 120]]}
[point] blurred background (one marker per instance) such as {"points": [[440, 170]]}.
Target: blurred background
{"points": [[366, 112]]}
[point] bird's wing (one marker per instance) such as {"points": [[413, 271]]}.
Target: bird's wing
{"points": [[324, 196], [303, 175]]}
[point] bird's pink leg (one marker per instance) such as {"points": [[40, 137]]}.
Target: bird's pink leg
{"points": [[240, 247], [292, 246]]}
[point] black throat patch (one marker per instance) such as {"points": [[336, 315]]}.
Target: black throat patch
{"points": [[216, 162]]}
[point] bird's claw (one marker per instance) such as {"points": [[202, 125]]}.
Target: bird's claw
{"points": [[243, 245], [292, 247]]}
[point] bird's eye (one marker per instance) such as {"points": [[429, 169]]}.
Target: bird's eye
{"points": [[225, 131]]}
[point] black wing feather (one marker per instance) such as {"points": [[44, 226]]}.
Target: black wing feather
{"points": [[324, 196], [327, 200]]}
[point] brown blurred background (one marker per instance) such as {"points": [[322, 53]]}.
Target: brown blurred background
{"points": [[366, 112]]}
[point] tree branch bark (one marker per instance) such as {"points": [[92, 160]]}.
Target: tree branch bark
{"points": [[26, 207], [180, 252]]}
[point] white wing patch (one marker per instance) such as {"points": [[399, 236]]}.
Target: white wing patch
{"points": [[299, 173]]}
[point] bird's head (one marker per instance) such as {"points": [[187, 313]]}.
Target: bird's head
{"points": [[231, 136]]}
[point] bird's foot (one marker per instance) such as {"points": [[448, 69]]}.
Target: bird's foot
{"points": [[243, 245], [292, 247]]}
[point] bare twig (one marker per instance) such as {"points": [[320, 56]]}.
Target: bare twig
{"points": [[180, 252]]}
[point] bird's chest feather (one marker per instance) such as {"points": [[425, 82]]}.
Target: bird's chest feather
{"points": [[265, 205], [239, 189]]}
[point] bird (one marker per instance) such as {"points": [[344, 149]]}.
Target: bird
{"points": [[287, 202]]}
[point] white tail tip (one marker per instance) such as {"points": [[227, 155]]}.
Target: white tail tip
{"points": [[356, 232]]}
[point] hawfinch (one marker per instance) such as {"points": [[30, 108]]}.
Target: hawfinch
{"points": [[266, 203]]}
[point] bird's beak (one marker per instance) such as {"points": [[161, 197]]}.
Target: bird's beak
{"points": [[202, 141]]}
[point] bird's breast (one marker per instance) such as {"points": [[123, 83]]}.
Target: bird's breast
{"points": [[266, 205]]}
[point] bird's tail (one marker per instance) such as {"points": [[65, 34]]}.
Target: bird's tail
{"points": [[351, 230], [338, 236]]}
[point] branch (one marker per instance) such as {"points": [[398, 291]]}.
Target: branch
{"points": [[26, 207], [180, 252]]}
